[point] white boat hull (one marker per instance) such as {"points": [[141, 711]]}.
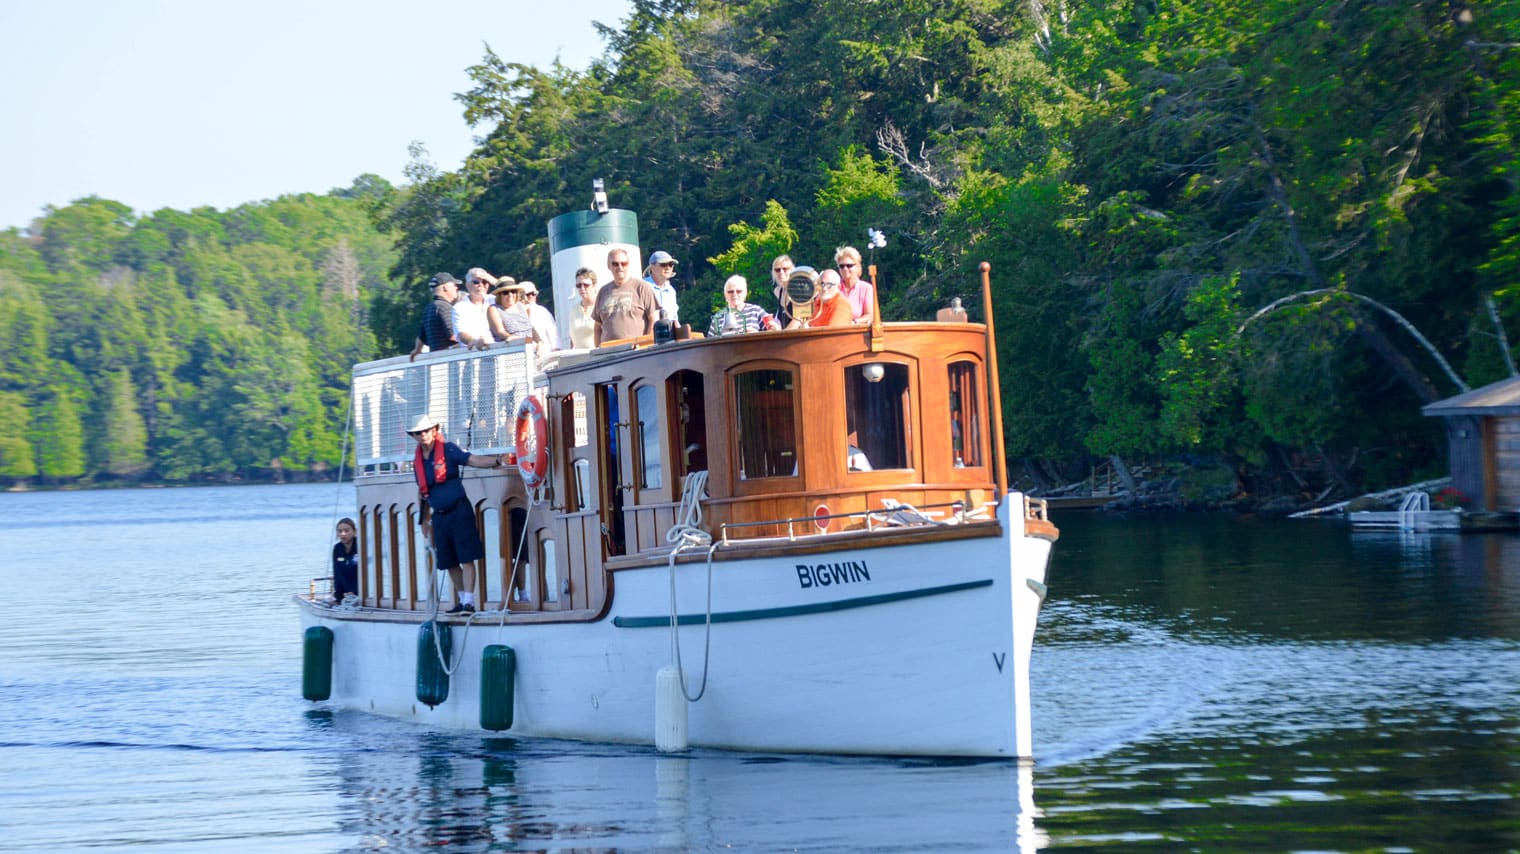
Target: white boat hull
{"points": [[908, 649]]}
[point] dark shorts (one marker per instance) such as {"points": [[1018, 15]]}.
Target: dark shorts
{"points": [[456, 540]]}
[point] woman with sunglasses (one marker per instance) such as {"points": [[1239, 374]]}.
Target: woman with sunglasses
{"points": [[781, 269], [582, 321], [858, 292]]}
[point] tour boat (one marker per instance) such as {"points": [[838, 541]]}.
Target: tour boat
{"points": [[788, 541]]}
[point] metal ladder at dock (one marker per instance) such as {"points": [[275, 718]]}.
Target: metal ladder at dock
{"points": [[1414, 503]]}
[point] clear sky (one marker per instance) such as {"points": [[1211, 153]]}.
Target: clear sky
{"points": [[184, 103]]}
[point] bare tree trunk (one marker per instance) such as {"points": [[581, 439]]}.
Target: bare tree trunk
{"points": [[1126, 477], [1493, 314]]}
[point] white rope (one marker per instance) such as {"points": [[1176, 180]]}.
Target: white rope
{"points": [[687, 533]]}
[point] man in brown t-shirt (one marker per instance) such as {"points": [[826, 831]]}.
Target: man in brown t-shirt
{"points": [[626, 307]]}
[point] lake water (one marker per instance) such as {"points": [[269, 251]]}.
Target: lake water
{"points": [[1200, 683]]}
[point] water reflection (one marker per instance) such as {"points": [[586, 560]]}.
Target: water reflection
{"points": [[429, 789], [1230, 684]]}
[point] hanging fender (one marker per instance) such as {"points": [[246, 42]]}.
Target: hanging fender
{"points": [[532, 435]]}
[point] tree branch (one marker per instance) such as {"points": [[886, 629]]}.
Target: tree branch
{"points": [[1398, 318]]}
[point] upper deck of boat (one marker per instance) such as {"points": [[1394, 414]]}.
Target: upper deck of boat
{"points": [[795, 432]]}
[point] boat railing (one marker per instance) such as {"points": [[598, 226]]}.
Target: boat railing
{"points": [[473, 393], [1037, 509], [896, 515]]}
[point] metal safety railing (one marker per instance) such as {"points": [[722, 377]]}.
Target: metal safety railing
{"points": [[896, 516], [473, 393]]}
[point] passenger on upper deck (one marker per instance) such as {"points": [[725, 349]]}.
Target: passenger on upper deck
{"points": [[781, 268], [626, 306], [545, 330], [830, 308], [582, 318], [509, 316], [436, 331], [854, 289], [508, 322], [451, 528], [472, 329], [662, 268], [739, 316]]}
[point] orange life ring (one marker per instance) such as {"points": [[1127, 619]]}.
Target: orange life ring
{"points": [[532, 435]]}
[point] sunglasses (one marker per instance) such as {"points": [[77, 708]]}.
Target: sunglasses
{"points": [[846, 266], [582, 285], [617, 263], [669, 265], [780, 269]]}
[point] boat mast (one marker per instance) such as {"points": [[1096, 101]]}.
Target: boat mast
{"points": [[996, 403]]}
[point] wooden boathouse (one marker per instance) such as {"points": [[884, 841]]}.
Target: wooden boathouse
{"points": [[1483, 432]]}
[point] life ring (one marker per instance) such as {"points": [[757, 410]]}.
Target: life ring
{"points": [[532, 435]]}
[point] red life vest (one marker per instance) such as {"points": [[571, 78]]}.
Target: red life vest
{"points": [[440, 468]]}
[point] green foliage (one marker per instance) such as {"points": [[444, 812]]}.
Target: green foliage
{"points": [[753, 248], [187, 345], [57, 436], [1140, 178], [125, 444], [17, 459]]}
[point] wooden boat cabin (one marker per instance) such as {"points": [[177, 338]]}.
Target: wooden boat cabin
{"points": [[809, 438]]}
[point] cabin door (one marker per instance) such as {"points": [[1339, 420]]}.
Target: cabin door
{"points": [[611, 469]]}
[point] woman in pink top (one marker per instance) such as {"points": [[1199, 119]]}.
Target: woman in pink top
{"points": [[854, 289]]}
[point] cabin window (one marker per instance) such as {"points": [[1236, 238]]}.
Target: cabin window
{"points": [[689, 423], [647, 438], [577, 418], [876, 416], [965, 416], [582, 483], [767, 424], [550, 564]]}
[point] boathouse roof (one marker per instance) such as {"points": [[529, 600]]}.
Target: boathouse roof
{"points": [[1500, 398]]}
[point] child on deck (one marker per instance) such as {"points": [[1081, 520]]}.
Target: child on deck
{"points": [[345, 561]]}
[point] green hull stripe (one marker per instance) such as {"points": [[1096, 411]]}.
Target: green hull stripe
{"points": [[795, 610]]}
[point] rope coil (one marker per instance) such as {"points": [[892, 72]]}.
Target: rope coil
{"points": [[688, 534]]}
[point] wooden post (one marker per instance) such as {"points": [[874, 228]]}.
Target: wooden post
{"points": [[995, 390], [877, 344]]}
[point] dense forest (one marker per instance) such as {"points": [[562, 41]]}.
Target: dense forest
{"points": [[1254, 237]]}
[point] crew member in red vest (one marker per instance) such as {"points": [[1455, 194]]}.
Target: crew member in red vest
{"points": [[456, 540]]}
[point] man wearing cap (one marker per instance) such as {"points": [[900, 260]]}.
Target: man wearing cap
{"points": [[662, 268], [472, 328], [437, 329], [625, 306], [448, 518]]}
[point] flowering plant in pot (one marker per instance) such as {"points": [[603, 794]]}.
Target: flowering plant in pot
{"points": [[1448, 498]]}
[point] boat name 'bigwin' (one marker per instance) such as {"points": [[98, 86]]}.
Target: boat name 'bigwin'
{"points": [[825, 574]]}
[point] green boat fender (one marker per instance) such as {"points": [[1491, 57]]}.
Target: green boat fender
{"points": [[316, 663], [435, 646], [498, 664]]}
